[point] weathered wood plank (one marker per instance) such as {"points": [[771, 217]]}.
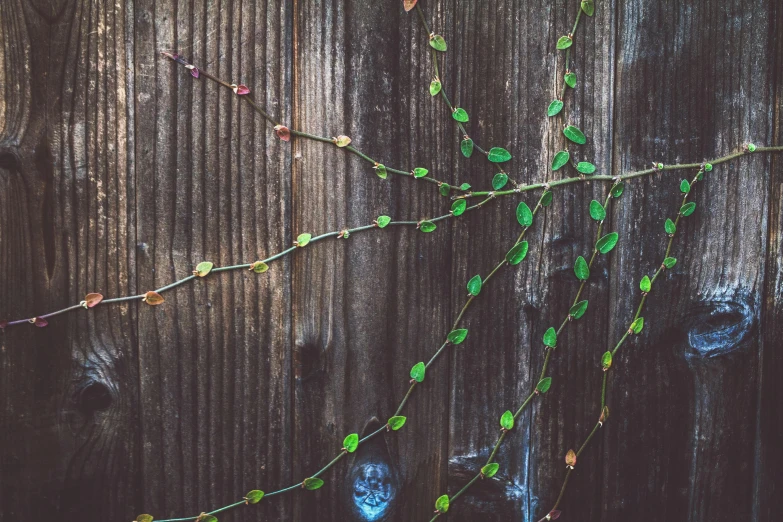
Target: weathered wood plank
{"points": [[693, 82]]}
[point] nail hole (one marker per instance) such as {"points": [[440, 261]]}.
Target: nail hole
{"points": [[10, 161]]}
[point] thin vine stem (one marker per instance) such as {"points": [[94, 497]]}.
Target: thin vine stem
{"points": [[622, 177], [549, 351], [343, 233], [635, 327], [568, 52], [282, 129]]}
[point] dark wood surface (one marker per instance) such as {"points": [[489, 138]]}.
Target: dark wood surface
{"points": [[119, 172]]}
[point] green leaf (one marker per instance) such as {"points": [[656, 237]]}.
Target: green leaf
{"points": [[255, 496], [444, 189], [575, 135], [303, 239], [474, 285], [707, 167], [206, 518], [458, 207], [418, 371], [560, 159], [544, 385], [546, 198], [585, 167], [498, 155], [380, 170], [437, 42], [457, 336], [607, 243], [581, 269], [524, 214], [507, 420], [490, 469], [420, 172], [687, 209], [564, 42], [144, 518], [606, 360], [203, 268], [550, 337], [499, 181], [554, 108], [313, 483], [465, 186], [442, 504], [597, 211], [427, 226], [751, 147], [517, 253], [396, 422], [617, 189], [351, 442], [259, 267], [588, 7], [645, 284], [435, 87], [637, 325], [578, 310], [685, 187], [669, 262], [383, 221], [669, 226], [570, 79], [460, 115], [466, 147]]}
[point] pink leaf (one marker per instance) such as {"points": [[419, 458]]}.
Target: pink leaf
{"points": [[240, 89], [3, 324], [409, 4], [194, 72], [40, 322], [554, 515], [283, 132]]}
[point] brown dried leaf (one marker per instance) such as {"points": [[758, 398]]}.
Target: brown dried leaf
{"points": [[153, 298]]}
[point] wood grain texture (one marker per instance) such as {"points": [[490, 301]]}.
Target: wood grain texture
{"points": [[119, 172]]}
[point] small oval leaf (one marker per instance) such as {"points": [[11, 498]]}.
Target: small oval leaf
{"points": [[498, 155], [597, 211], [607, 243], [442, 504], [685, 187], [575, 135], [688, 209], [617, 189], [669, 262], [437, 42], [420, 172], [585, 167], [460, 115], [383, 221], [578, 310], [570, 458], [564, 42], [490, 469], [259, 267], [466, 147], [669, 226], [396, 422], [637, 325], [302, 240], [254, 496], [418, 371], [283, 132], [203, 268], [351, 442], [517, 253], [474, 285], [560, 159], [458, 207], [524, 214], [457, 336], [312, 483], [342, 141], [380, 170], [153, 298], [91, 300], [499, 181], [544, 385], [554, 108], [588, 7], [546, 198], [427, 226], [570, 79], [435, 87], [550, 337], [606, 360], [645, 284], [507, 420], [581, 269]]}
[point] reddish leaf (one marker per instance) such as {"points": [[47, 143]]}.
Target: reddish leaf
{"points": [[283, 133], [553, 515], [91, 300], [40, 322], [153, 298], [193, 71], [570, 458], [409, 4], [240, 89], [3, 324]]}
